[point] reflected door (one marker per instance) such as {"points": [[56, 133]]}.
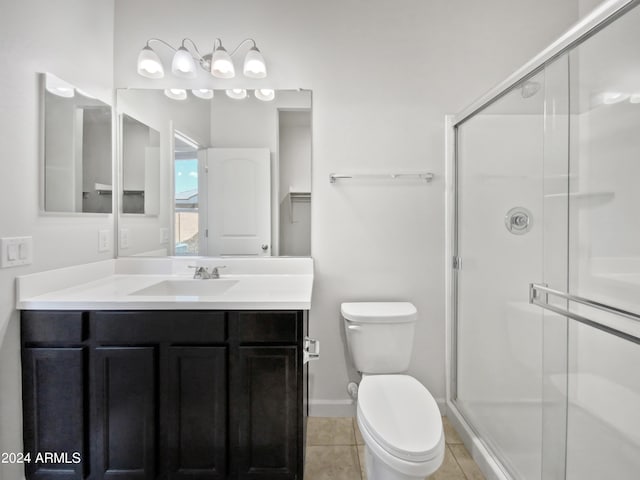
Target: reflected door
{"points": [[239, 201]]}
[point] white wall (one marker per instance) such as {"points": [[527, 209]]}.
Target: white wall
{"points": [[38, 36], [383, 76]]}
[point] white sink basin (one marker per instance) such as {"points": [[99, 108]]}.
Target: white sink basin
{"points": [[187, 288]]}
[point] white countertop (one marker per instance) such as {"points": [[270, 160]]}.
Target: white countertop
{"points": [[255, 284]]}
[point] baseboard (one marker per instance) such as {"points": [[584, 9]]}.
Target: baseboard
{"points": [[332, 408]]}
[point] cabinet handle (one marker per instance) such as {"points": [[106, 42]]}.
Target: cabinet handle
{"points": [[309, 354]]}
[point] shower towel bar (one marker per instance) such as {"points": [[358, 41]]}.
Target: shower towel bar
{"points": [[535, 299], [427, 176]]}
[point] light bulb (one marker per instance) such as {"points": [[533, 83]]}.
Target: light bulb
{"points": [[149, 64], [176, 93], [237, 93], [265, 94], [183, 64], [221, 64], [254, 65], [204, 93]]}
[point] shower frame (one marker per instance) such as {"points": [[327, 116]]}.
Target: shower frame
{"points": [[598, 19]]}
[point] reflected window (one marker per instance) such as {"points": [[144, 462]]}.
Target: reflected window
{"points": [[187, 217]]}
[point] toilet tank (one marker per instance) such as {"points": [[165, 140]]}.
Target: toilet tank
{"points": [[379, 335]]}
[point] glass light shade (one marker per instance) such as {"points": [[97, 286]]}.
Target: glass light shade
{"points": [[254, 65], [221, 64], [58, 87], [237, 93], [183, 64], [204, 93], [149, 64], [265, 94], [176, 93], [635, 98]]}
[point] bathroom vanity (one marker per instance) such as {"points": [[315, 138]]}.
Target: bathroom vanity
{"points": [[167, 386]]}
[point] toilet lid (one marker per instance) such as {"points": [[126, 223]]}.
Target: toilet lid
{"points": [[401, 415], [383, 312]]}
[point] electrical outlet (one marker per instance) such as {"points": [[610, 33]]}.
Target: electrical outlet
{"points": [[16, 251], [124, 238], [103, 240], [164, 236]]}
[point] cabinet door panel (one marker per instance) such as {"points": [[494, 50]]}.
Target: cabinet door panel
{"points": [[197, 413], [54, 411], [125, 413], [266, 413]]}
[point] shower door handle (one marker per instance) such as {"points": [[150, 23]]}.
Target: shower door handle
{"points": [[539, 295]]}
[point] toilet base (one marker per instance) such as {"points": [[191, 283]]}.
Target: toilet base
{"points": [[378, 470]]}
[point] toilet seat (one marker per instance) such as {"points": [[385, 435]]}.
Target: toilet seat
{"points": [[401, 416]]}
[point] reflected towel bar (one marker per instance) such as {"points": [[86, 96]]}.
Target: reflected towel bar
{"points": [[427, 176], [535, 299]]}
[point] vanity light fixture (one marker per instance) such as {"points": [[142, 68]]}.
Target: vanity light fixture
{"points": [[237, 93], [218, 62], [176, 93], [265, 94], [58, 87], [203, 93]]}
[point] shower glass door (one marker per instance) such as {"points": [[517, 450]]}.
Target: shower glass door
{"points": [[548, 193], [512, 180]]}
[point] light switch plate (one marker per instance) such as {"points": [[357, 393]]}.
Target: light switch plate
{"points": [[124, 238], [103, 240], [164, 236], [16, 251]]}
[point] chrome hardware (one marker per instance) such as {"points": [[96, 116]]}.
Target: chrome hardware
{"points": [[264, 247], [456, 263], [426, 176], [539, 295], [307, 353], [518, 220], [202, 273]]}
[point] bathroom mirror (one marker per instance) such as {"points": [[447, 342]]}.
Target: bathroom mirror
{"points": [[140, 167], [77, 164], [234, 176]]}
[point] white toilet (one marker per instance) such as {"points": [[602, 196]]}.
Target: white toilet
{"points": [[397, 416]]}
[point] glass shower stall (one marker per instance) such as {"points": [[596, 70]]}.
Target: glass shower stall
{"points": [[545, 311]]}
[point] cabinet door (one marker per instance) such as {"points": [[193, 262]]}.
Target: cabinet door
{"points": [[196, 433], [125, 413], [264, 410], [54, 412]]}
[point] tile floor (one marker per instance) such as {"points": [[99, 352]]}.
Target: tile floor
{"points": [[335, 451]]}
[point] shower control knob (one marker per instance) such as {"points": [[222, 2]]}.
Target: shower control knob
{"points": [[518, 220]]}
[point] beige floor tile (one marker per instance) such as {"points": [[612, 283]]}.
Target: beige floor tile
{"points": [[335, 462], [449, 470], [469, 467], [450, 435], [359, 439], [330, 431], [363, 468]]}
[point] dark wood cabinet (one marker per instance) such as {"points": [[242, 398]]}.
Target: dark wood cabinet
{"points": [[124, 400], [167, 395], [265, 392]]}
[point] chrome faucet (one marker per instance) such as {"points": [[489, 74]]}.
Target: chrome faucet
{"points": [[202, 273]]}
